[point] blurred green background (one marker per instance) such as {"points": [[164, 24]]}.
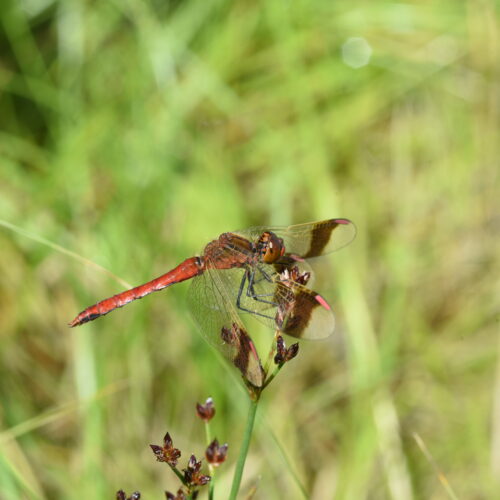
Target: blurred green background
{"points": [[133, 132]]}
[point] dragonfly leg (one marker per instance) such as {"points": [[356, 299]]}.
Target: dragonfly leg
{"points": [[240, 292], [251, 291], [264, 276]]}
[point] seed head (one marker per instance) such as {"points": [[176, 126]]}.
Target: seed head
{"points": [[167, 452], [216, 454], [207, 411], [284, 354], [121, 495], [179, 496], [192, 473]]}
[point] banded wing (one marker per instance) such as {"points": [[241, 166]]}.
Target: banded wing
{"points": [[311, 239], [215, 313], [301, 312], [279, 300]]}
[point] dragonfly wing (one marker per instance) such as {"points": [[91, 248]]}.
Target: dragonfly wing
{"points": [[278, 301], [302, 313], [257, 299], [215, 313], [311, 239]]}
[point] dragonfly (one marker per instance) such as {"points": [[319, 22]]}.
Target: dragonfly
{"points": [[261, 271]]}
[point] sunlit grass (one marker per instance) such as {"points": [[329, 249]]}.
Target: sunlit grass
{"points": [[132, 133]]}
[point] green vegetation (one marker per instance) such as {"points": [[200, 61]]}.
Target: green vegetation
{"points": [[133, 132]]}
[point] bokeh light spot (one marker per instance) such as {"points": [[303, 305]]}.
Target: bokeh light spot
{"points": [[356, 52]]}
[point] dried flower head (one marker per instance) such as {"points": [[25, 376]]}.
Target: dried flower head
{"points": [[284, 354], [192, 473], [294, 274], [121, 495], [181, 495], [167, 452], [216, 454], [207, 411]]}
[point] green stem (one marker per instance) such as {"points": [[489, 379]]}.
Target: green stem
{"points": [[271, 353], [240, 464], [211, 469], [271, 377], [179, 474]]}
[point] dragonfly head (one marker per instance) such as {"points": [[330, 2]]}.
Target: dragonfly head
{"points": [[270, 247]]}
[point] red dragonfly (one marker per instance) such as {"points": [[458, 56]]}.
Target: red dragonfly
{"points": [[261, 271]]}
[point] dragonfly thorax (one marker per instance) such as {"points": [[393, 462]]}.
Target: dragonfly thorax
{"points": [[270, 248]]}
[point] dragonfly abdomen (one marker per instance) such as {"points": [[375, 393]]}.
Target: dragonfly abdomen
{"points": [[186, 270]]}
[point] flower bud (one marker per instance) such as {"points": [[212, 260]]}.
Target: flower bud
{"points": [[216, 454], [207, 411]]}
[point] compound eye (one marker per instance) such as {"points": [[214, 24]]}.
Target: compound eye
{"points": [[274, 248]]}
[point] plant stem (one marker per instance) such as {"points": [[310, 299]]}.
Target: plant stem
{"points": [[238, 473], [211, 469], [270, 378], [178, 474], [271, 352]]}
